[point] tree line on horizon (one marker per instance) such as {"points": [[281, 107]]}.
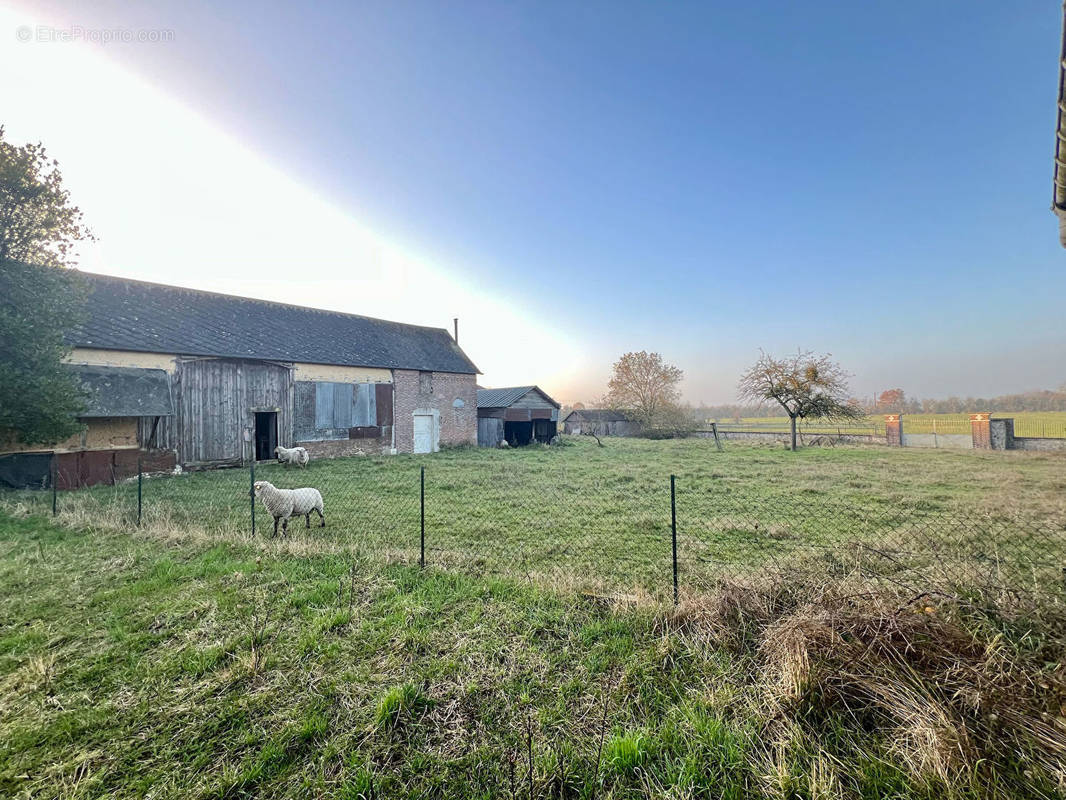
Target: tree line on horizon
{"points": [[895, 401]]}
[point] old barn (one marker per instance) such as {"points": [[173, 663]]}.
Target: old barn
{"points": [[219, 380], [518, 415], [600, 422]]}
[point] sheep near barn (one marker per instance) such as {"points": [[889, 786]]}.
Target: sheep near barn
{"points": [[292, 455], [285, 503]]}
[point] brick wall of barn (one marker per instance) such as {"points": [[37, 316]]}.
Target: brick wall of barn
{"points": [[458, 421]]}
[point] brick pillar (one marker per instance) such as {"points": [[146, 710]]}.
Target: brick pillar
{"points": [[981, 430], [894, 429]]}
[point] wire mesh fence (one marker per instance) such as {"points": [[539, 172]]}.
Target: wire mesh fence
{"points": [[638, 535]]}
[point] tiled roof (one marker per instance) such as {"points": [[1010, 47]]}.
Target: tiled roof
{"points": [[125, 314], [502, 398]]}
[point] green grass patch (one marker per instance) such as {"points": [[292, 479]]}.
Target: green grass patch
{"points": [[595, 519], [134, 665]]}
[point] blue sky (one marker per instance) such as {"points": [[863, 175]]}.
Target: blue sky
{"points": [[702, 179]]}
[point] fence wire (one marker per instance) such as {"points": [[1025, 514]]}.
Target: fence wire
{"points": [[614, 536]]}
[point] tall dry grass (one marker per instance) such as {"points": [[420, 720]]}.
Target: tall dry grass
{"points": [[965, 697]]}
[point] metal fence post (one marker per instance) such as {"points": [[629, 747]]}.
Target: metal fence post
{"points": [[422, 514], [140, 485], [251, 492], [673, 528], [55, 475]]}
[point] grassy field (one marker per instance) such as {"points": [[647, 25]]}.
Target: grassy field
{"points": [[189, 658], [1026, 423], [598, 518], [132, 666]]}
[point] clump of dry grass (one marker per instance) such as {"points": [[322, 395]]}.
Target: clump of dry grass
{"points": [[956, 693]]}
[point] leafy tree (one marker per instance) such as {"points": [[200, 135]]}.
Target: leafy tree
{"points": [[805, 385], [40, 298], [644, 386], [891, 401], [38, 224]]}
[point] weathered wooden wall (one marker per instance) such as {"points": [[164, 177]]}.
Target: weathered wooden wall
{"points": [[532, 399], [216, 401], [489, 431], [165, 433]]}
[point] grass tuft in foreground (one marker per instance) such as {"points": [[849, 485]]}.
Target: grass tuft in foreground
{"points": [[131, 666]]}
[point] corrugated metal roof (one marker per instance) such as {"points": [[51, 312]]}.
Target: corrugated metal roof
{"points": [[503, 397], [125, 391], [150, 317]]}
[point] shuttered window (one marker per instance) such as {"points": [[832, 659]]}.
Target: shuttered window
{"points": [[333, 405], [364, 411], [342, 405], [345, 405], [323, 405]]}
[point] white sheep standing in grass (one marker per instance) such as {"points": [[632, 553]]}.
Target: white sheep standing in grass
{"points": [[292, 455], [285, 503]]}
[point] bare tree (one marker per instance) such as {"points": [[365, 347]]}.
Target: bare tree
{"points": [[805, 385], [644, 386]]}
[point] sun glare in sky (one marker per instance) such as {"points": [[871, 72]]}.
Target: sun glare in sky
{"points": [[173, 199]]}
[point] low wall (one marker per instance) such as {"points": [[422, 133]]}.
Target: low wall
{"points": [[784, 437], [1038, 443]]}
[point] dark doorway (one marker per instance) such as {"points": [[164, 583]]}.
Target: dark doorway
{"points": [[266, 434], [543, 430], [518, 434]]}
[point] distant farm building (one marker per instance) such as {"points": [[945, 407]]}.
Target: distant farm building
{"points": [[601, 422], [518, 415], [202, 379]]}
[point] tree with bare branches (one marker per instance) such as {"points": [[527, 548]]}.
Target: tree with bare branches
{"points": [[805, 385], [644, 386]]}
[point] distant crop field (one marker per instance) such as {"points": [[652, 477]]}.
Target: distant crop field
{"points": [[1050, 424]]}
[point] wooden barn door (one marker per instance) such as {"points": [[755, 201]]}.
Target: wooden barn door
{"points": [[217, 401], [211, 426]]}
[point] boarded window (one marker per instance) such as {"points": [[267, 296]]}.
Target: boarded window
{"points": [[425, 382], [323, 405], [342, 405], [383, 396], [333, 405], [364, 411], [328, 409]]}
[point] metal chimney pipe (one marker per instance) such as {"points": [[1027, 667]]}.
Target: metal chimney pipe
{"points": [[456, 321]]}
